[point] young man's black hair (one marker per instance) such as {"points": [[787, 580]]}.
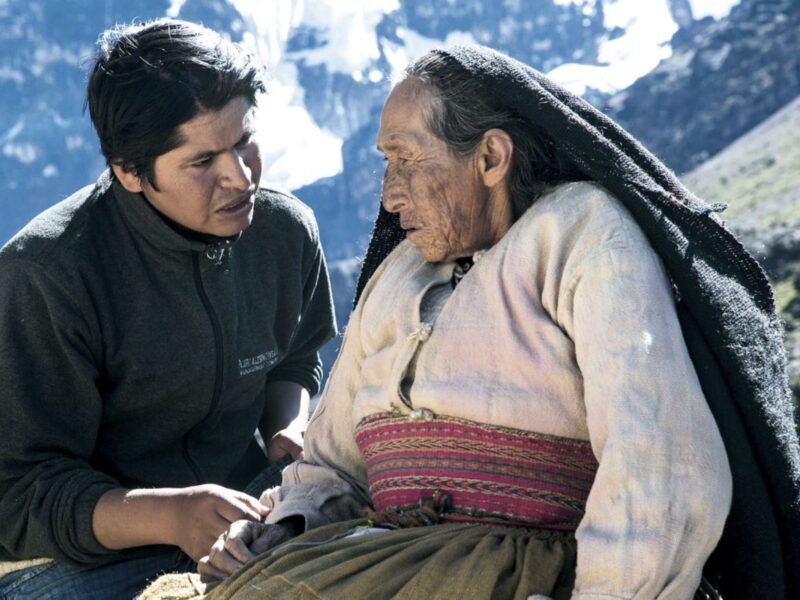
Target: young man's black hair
{"points": [[149, 79]]}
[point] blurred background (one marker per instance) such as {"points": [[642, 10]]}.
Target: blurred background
{"points": [[710, 86]]}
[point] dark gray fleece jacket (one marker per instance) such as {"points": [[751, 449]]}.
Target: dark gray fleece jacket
{"points": [[131, 355]]}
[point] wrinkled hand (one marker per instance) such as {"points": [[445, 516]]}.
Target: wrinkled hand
{"points": [[240, 544], [203, 512], [282, 443]]}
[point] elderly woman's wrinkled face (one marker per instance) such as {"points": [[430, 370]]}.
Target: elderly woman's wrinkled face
{"points": [[442, 202]]}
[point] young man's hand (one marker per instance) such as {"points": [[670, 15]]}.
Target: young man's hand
{"points": [[204, 512], [282, 443], [191, 518], [241, 543], [284, 419]]}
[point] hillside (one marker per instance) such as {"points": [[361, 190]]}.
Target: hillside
{"points": [[758, 176]]}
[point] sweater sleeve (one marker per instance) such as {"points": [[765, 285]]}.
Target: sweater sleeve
{"points": [[52, 411], [317, 323], [330, 484], [663, 487]]}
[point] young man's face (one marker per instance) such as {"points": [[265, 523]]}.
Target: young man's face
{"points": [[208, 183]]}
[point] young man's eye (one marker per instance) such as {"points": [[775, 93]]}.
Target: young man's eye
{"points": [[203, 162]]}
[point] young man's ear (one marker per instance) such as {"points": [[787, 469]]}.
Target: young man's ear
{"points": [[128, 179], [495, 152]]}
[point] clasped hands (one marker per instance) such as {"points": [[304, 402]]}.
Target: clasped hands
{"points": [[243, 541], [247, 538]]}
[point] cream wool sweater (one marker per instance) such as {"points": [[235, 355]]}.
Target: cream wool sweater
{"points": [[567, 327]]}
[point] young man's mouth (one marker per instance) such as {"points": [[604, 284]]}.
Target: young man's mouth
{"points": [[240, 204]]}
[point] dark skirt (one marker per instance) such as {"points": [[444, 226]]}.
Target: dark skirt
{"points": [[446, 561]]}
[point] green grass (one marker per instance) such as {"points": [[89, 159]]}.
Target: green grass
{"points": [[758, 176], [785, 293]]}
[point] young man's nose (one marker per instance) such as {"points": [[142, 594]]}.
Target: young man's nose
{"points": [[236, 174]]}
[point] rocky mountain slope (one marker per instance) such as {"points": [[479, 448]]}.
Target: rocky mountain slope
{"points": [[723, 78], [47, 146]]}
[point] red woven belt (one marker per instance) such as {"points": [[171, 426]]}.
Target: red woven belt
{"points": [[489, 474]]}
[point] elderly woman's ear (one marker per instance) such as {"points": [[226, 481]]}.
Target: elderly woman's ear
{"points": [[495, 152]]}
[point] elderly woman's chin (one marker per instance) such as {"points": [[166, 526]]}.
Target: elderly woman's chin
{"points": [[433, 253], [437, 247]]}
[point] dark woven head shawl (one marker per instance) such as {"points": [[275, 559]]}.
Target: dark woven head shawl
{"points": [[725, 306]]}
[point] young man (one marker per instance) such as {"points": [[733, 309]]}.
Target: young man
{"points": [[148, 323]]}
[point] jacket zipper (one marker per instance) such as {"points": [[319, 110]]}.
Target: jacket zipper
{"points": [[220, 363]]}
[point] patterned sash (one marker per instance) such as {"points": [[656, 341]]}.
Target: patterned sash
{"points": [[487, 473]]}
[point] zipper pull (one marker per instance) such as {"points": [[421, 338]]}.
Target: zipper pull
{"points": [[212, 252], [216, 252]]}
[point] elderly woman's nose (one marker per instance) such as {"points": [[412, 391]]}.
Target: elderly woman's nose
{"points": [[392, 196], [392, 200]]}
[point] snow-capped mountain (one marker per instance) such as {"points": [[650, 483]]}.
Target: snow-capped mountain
{"points": [[686, 76], [332, 63]]}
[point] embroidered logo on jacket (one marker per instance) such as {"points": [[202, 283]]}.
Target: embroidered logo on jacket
{"points": [[257, 363]]}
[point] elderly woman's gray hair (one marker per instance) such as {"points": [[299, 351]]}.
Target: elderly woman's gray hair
{"points": [[462, 110]]}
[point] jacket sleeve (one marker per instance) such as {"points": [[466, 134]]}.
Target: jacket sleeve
{"points": [[317, 323], [663, 488], [52, 411]]}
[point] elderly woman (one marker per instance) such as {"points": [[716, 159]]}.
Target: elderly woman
{"points": [[514, 405]]}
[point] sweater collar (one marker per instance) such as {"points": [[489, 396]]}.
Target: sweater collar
{"points": [[158, 229]]}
